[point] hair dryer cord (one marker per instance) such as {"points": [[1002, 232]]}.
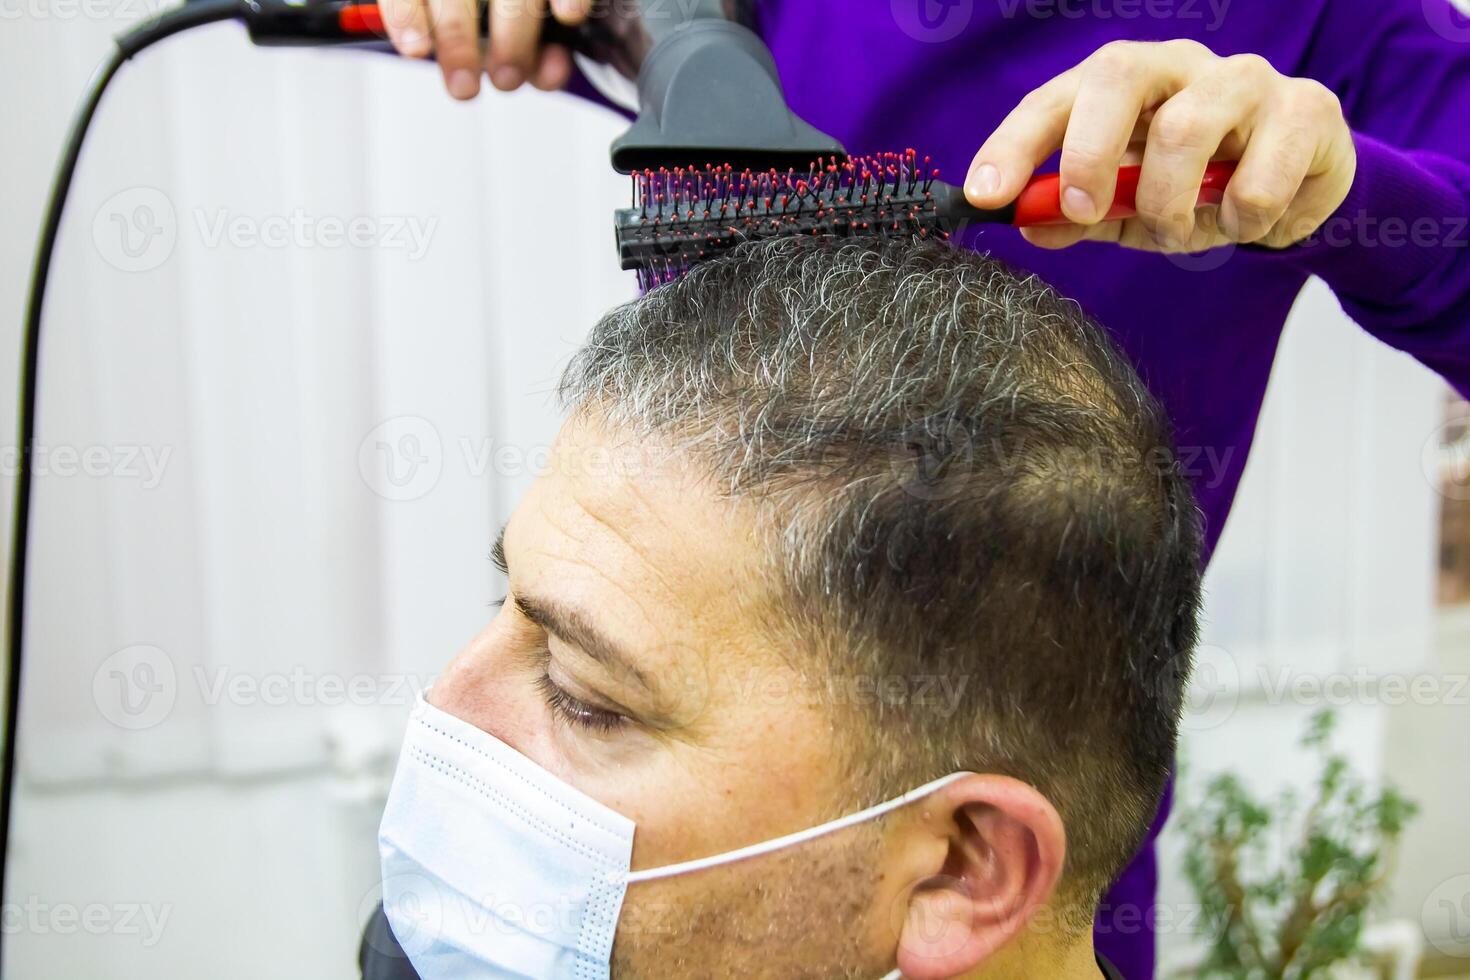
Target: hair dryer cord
{"points": [[194, 14]]}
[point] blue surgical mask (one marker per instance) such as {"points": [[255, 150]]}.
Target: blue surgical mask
{"points": [[493, 867]]}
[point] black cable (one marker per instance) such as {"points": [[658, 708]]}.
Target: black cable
{"points": [[195, 13]]}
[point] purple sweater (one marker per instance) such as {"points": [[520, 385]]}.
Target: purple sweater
{"points": [[938, 75]]}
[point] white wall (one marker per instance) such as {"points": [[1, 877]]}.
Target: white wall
{"points": [[1324, 584], [221, 652], [279, 553]]}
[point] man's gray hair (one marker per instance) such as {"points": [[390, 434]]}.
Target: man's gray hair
{"points": [[963, 479]]}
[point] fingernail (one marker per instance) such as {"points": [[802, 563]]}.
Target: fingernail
{"points": [[414, 41], [463, 83], [984, 182], [507, 77], [1077, 204]]}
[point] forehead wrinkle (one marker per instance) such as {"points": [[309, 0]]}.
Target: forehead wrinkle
{"points": [[718, 616], [645, 648], [578, 558], [633, 542], [676, 527]]}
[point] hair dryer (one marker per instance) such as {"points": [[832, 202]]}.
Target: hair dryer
{"points": [[708, 89]]}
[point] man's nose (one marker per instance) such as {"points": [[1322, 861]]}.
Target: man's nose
{"points": [[480, 686]]}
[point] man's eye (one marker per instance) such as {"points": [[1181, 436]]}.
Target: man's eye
{"points": [[575, 711]]}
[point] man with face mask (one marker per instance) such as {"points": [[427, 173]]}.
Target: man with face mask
{"points": [[846, 636]]}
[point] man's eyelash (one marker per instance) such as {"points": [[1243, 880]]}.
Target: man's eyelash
{"points": [[575, 711]]}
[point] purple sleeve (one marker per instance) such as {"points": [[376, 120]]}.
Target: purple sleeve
{"points": [[579, 86], [1397, 251]]}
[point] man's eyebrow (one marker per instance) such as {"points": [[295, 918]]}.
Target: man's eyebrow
{"points": [[570, 626]]}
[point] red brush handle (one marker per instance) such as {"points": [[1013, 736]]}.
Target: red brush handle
{"points": [[355, 22], [1041, 201], [362, 18]]}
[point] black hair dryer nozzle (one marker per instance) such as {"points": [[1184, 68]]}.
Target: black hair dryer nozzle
{"points": [[709, 92]]}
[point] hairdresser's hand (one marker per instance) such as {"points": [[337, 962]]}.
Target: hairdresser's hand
{"points": [[449, 29], [1175, 106]]}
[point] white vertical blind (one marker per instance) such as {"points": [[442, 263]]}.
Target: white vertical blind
{"points": [[1327, 562], [222, 648]]}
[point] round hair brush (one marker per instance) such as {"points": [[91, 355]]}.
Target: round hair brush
{"points": [[682, 216]]}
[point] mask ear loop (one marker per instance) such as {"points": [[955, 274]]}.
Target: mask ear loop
{"points": [[801, 836]]}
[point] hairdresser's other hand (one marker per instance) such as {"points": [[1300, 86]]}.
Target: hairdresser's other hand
{"points": [[1174, 106], [449, 30]]}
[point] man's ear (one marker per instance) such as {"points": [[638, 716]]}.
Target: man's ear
{"points": [[1004, 855]]}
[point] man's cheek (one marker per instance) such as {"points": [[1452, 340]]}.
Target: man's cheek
{"points": [[680, 928], [802, 912], [656, 918]]}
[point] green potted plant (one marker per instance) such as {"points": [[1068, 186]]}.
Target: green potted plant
{"points": [[1285, 886]]}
